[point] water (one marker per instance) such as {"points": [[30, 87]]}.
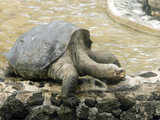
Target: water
{"points": [[136, 51]]}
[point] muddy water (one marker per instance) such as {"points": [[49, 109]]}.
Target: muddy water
{"points": [[136, 51]]}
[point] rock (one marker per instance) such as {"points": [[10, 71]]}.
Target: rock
{"points": [[116, 112], [157, 109], [148, 74], [108, 105], [142, 103], [13, 109], [141, 98], [154, 96], [71, 101], [93, 112], [1, 79], [82, 111], [41, 84], [106, 116], [130, 116], [126, 102], [90, 102], [35, 100], [55, 100], [66, 113], [44, 112]]}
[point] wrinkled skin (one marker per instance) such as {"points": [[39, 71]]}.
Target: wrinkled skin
{"points": [[79, 60]]}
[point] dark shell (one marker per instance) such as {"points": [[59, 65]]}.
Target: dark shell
{"points": [[37, 49]]}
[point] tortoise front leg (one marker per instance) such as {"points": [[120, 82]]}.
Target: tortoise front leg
{"points": [[104, 57], [69, 84], [64, 71]]}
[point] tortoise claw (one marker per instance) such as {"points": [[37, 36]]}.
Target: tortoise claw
{"points": [[121, 73]]}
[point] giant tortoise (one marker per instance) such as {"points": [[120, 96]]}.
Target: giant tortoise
{"points": [[61, 51]]}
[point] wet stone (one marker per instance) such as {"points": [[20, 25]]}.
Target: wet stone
{"points": [[17, 86], [13, 109], [149, 108], [31, 83], [116, 112], [66, 113], [108, 105], [141, 98], [126, 102], [148, 74], [82, 111], [157, 109], [1, 80], [55, 100], [90, 102], [71, 101], [93, 113], [45, 112], [154, 96], [41, 84], [130, 116], [106, 116], [35, 99]]}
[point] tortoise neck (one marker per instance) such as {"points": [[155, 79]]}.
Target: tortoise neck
{"points": [[87, 66]]}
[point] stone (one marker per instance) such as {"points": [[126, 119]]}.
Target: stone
{"points": [[157, 109], [1, 79], [106, 116], [35, 100], [141, 98], [13, 109], [148, 74], [55, 100], [154, 96], [41, 84], [44, 112], [126, 102], [71, 101], [82, 111], [66, 113], [93, 113], [108, 105], [90, 102]]}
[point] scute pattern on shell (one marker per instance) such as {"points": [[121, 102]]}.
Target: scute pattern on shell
{"points": [[37, 49]]}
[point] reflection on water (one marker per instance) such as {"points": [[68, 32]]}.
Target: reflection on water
{"points": [[137, 51]]}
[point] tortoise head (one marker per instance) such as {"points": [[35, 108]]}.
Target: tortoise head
{"points": [[82, 37]]}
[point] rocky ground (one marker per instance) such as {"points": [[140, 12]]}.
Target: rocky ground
{"points": [[130, 13], [136, 98]]}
